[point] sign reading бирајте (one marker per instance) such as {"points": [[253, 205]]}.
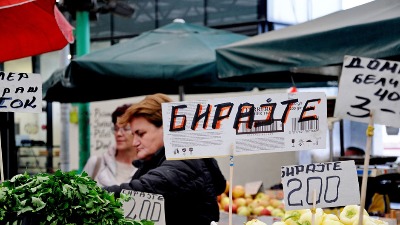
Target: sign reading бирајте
{"points": [[368, 85], [246, 125], [20, 92], [334, 183]]}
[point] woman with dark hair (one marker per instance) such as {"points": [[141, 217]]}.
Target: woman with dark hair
{"points": [[354, 151], [189, 187], [115, 165]]}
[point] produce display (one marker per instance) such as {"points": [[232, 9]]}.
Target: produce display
{"points": [[260, 204], [348, 216], [60, 198], [255, 222], [267, 204]]}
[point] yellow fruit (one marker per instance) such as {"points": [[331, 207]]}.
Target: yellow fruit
{"points": [[277, 213], [306, 217], [279, 223], [243, 211], [331, 222], [331, 217], [292, 216], [350, 213], [226, 191], [238, 191], [378, 222], [224, 201], [366, 220], [255, 222]]}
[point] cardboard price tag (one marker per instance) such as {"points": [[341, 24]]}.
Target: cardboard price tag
{"points": [[335, 184], [366, 85], [20, 92], [253, 188], [144, 206]]}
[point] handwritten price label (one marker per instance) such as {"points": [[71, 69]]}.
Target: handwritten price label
{"points": [[335, 184], [367, 85], [20, 92], [144, 206]]}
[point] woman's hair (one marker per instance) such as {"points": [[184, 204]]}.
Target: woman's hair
{"points": [[149, 108], [119, 111], [354, 151]]}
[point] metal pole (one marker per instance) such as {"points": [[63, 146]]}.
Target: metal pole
{"points": [[64, 112], [181, 93], [205, 21], [82, 48], [64, 144], [9, 150], [156, 22], [341, 134], [49, 135]]}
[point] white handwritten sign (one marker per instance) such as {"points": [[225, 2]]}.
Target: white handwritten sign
{"points": [[20, 92], [369, 85], [101, 134], [335, 184], [249, 125], [144, 206]]}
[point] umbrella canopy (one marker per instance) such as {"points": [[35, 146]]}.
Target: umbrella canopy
{"points": [[32, 27], [370, 30], [162, 60]]}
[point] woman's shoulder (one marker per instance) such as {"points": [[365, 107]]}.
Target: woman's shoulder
{"points": [[92, 159], [186, 165], [91, 164]]}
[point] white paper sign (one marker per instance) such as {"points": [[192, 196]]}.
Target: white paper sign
{"points": [[20, 92], [101, 134], [369, 85], [249, 125], [144, 206], [335, 184]]}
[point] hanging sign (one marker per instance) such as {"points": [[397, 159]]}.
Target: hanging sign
{"points": [[245, 125], [20, 92], [335, 184], [369, 85]]}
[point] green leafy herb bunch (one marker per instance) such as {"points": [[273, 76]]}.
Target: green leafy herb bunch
{"points": [[61, 198]]}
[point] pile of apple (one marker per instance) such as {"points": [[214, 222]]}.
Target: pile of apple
{"points": [[260, 204]]}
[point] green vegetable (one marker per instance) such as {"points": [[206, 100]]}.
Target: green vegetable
{"points": [[61, 198]]}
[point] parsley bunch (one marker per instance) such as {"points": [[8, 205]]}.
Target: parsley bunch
{"points": [[61, 198]]}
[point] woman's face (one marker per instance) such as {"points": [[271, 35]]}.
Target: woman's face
{"points": [[147, 138], [123, 138]]}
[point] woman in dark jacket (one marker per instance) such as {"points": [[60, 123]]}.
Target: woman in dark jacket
{"points": [[189, 187]]}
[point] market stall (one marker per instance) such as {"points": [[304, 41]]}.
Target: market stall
{"points": [[311, 53], [177, 58], [41, 29]]}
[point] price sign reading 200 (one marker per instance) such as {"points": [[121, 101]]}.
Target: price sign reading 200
{"points": [[146, 211], [144, 206], [329, 187], [334, 184]]}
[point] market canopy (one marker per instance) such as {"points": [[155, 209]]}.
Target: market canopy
{"points": [[31, 28], [313, 51], [162, 60]]}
